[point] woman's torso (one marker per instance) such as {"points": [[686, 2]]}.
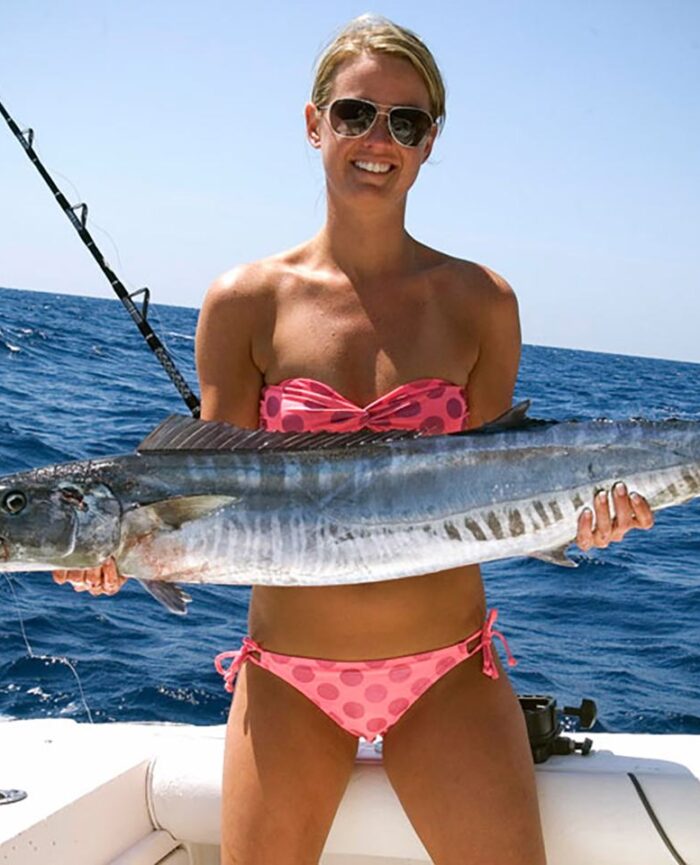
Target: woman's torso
{"points": [[364, 340]]}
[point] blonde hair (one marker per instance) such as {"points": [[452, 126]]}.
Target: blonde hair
{"points": [[375, 34]]}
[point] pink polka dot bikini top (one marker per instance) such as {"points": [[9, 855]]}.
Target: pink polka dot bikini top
{"points": [[432, 405]]}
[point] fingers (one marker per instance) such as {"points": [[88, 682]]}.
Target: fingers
{"points": [[584, 538], [102, 580], [112, 581], [624, 513], [75, 578], [644, 518], [604, 525], [632, 511], [596, 527], [603, 520]]}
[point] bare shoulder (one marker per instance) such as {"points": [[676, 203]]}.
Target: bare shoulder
{"points": [[254, 286], [498, 284], [483, 284], [245, 287], [474, 290], [467, 277]]}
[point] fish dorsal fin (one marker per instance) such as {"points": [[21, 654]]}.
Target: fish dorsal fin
{"points": [[516, 418], [185, 433]]}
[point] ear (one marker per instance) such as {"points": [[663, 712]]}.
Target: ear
{"points": [[312, 117], [429, 142]]}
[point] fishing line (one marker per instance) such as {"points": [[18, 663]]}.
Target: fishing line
{"points": [[74, 188], [152, 308], [78, 197], [61, 659], [77, 215]]}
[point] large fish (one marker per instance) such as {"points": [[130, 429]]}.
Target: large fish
{"points": [[204, 502]]}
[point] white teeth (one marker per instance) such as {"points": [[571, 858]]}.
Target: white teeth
{"points": [[376, 167]]}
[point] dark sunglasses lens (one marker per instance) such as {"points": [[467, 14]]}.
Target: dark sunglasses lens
{"points": [[409, 125], [352, 117]]}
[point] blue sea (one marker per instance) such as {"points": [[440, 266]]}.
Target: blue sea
{"points": [[77, 380]]}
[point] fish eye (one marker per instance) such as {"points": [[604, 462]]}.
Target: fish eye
{"points": [[14, 502]]}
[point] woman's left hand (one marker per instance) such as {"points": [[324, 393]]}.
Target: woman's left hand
{"points": [[631, 511]]}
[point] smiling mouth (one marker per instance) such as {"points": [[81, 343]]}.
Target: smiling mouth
{"points": [[373, 167]]}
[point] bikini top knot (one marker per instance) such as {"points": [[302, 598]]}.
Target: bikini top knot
{"points": [[432, 405]]}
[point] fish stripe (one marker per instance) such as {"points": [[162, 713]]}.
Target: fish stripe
{"points": [[556, 511], [494, 524], [452, 531], [690, 479], [516, 523], [541, 512], [475, 529]]}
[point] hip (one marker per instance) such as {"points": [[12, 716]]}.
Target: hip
{"points": [[369, 620]]}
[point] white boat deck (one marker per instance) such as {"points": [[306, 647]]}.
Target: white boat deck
{"points": [[141, 794]]}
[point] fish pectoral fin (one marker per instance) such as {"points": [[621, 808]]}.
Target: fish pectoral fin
{"points": [[176, 511], [170, 595], [556, 556]]}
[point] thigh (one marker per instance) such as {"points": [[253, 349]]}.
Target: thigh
{"points": [[286, 766], [460, 763]]}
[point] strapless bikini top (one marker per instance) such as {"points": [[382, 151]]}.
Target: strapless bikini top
{"points": [[432, 405]]}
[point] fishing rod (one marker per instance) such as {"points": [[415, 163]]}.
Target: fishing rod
{"points": [[79, 223]]}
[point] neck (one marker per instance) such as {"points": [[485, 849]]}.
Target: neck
{"points": [[369, 244]]}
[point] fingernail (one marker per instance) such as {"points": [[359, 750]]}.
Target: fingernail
{"points": [[602, 496], [636, 498], [587, 512], [620, 489]]}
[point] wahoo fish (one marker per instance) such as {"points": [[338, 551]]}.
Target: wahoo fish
{"points": [[205, 502]]}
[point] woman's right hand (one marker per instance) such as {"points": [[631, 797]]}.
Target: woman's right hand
{"points": [[102, 580]]}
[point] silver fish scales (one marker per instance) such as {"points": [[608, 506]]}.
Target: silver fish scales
{"points": [[203, 502]]}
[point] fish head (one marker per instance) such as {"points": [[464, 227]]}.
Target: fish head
{"points": [[50, 520]]}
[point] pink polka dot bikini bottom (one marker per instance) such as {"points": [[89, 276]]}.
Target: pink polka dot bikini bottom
{"points": [[366, 698]]}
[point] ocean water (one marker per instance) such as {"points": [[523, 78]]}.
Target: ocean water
{"points": [[77, 380]]}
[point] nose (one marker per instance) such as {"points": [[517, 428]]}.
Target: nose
{"points": [[379, 130]]}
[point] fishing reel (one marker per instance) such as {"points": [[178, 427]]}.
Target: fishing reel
{"points": [[545, 725]]}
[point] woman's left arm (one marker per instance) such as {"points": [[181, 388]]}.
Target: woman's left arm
{"points": [[494, 307], [490, 393]]}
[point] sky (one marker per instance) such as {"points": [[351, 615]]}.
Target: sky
{"points": [[569, 162]]}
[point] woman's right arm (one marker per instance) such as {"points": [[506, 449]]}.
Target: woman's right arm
{"points": [[231, 326], [231, 321]]}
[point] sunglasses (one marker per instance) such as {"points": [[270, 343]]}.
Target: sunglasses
{"points": [[351, 118]]}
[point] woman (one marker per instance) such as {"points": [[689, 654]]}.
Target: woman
{"points": [[363, 326]]}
